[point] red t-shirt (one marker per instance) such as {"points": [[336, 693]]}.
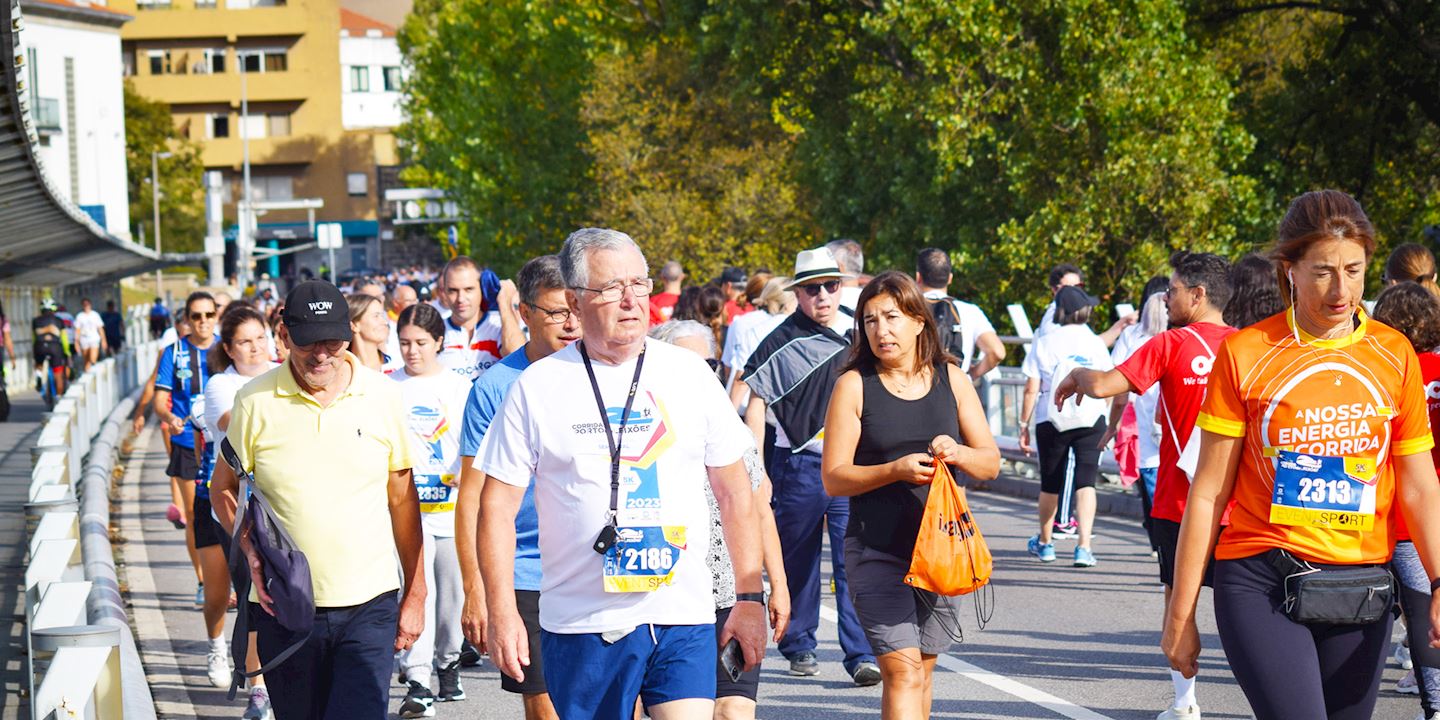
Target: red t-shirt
{"points": [[662, 306], [1430, 375], [733, 310], [1180, 360]]}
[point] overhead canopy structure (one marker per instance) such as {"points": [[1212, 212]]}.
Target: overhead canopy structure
{"points": [[44, 238]]}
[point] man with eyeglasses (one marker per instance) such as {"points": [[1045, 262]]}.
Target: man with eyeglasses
{"points": [[552, 327], [617, 432], [180, 380], [476, 337], [791, 374]]}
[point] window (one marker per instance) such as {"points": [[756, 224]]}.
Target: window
{"points": [[279, 124], [272, 187], [217, 126], [205, 4], [152, 4], [159, 62], [359, 78], [392, 78], [245, 4], [357, 184], [255, 126], [258, 61], [211, 62]]}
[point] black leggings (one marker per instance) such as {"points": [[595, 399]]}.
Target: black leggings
{"points": [[1288, 669], [1055, 447]]}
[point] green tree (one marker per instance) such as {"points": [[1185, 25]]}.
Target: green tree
{"points": [[150, 128]]}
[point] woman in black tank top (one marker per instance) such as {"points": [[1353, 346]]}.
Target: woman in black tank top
{"points": [[901, 405]]}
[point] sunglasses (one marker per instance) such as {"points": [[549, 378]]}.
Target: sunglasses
{"points": [[203, 316], [831, 287]]}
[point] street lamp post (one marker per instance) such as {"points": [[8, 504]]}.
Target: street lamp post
{"points": [[155, 199]]}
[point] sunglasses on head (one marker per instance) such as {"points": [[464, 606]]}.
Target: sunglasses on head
{"points": [[831, 287]]}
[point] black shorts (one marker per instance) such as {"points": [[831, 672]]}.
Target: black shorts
{"points": [[1055, 448], [52, 352], [528, 603], [748, 685], [1166, 536], [207, 529], [183, 464]]}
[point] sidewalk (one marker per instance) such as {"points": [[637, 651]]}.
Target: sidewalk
{"points": [[16, 438]]}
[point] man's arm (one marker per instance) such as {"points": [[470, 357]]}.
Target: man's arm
{"points": [[224, 491], [410, 545], [1092, 383], [731, 485], [988, 343], [755, 419], [508, 642], [467, 514], [512, 328]]}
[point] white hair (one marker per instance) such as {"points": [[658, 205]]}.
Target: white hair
{"points": [[673, 330], [577, 248], [848, 255]]}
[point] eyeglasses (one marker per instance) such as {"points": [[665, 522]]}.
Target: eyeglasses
{"points": [[331, 347], [1170, 291], [554, 317], [830, 286], [615, 290], [203, 316]]}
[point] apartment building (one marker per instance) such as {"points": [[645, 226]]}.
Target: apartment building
{"points": [[283, 56]]}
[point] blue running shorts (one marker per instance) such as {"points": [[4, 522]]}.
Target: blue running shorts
{"points": [[590, 678]]}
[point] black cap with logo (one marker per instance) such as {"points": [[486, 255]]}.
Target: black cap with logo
{"points": [[316, 311], [1070, 299]]}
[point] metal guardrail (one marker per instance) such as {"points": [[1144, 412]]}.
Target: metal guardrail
{"points": [[81, 654]]}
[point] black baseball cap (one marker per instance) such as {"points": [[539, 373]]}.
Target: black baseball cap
{"points": [[316, 311], [1071, 298], [733, 275]]}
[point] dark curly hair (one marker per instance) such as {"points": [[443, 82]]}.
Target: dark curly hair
{"points": [[1254, 294], [1413, 310]]}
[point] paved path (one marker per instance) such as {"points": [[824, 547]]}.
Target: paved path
{"points": [[1063, 642], [16, 438]]}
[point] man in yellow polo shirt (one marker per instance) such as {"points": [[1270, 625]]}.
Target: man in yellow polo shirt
{"points": [[325, 439]]}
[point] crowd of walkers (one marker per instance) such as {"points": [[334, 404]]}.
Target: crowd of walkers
{"points": [[620, 487]]}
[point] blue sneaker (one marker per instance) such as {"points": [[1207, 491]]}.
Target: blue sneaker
{"points": [[1083, 557], [1044, 551]]}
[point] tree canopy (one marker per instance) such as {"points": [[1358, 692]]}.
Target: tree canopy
{"points": [[149, 128]]}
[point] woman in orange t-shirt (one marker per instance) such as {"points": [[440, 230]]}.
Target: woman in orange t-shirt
{"points": [[1315, 425]]}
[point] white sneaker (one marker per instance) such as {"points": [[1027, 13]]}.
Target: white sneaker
{"points": [[1185, 713], [1402, 657], [1408, 685], [217, 666]]}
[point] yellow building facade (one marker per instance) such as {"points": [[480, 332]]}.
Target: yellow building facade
{"points": [[190, 54]]}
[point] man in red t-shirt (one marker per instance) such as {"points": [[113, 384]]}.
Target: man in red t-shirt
{"points": [[662, 304], [732, 283], [1179, 359]]}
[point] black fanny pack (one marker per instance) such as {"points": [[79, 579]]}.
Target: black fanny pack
{"points": [[1334, 596]]}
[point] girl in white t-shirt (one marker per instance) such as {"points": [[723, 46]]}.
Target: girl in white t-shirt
{"points": [[435, 408], [244, 354]]}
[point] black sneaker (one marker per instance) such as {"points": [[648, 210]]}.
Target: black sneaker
{"points": [[450, 687], [866, 674], [804, 664], [469, 656], [419, 702]]}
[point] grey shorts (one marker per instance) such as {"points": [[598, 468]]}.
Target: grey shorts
{"points": [[894, 615]]}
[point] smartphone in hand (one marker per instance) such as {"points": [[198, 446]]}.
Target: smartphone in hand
{"points": [[732, 658]]}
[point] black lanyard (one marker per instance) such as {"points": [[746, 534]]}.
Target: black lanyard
{"points": [[607, 537]]}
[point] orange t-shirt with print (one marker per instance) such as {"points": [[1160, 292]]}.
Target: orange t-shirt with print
{"points": [[1351, 403]]}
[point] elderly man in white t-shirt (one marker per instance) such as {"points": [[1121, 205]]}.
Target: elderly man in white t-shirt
{"points": [[619, 433]]}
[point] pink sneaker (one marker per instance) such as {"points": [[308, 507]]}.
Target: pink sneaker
{"points": [[172, 514]]}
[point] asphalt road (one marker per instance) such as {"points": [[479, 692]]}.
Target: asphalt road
{"points": [[1062, 643]]}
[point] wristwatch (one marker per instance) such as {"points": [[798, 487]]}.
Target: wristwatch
{"points": [[758, 597]]}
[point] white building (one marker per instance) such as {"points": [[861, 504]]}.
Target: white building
{"points": [[371, 73], [75, 87]]}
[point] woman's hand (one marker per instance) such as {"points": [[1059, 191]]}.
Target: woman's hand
{"points": [[1182, 646], [945, 449], [917, 468], [1025, 439]]}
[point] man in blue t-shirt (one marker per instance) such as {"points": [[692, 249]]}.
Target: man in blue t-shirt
{"points": [[552, 326]]}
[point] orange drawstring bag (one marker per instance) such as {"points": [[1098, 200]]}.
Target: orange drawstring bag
{"points": [[951, 557]]}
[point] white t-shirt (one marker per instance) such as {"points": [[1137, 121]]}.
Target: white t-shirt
{"points": [[1047, 321], [435, 413], [973, 324], [89, 328], [467, 353], [1147, 429], [680, 423], [220, 392], [1077, 342]]}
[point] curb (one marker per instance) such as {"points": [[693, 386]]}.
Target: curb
{"points": [[1110, 497]]}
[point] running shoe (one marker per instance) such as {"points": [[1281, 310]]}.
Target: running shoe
{"points": [[450, 687], [469, 656], [866, 674], [804, 664], [1186, 713], [419, 702], [1402, 657], [217, 668], [259, 706], [1084, 558], [200, 595], [172, 514], [1407, 685], [1067, 529], [1044, 551]]}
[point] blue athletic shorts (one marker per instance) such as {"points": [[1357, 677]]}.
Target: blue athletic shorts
{"points": [[589, 678]]}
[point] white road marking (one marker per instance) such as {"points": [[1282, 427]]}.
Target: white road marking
{"points": [[1009, 686]]}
